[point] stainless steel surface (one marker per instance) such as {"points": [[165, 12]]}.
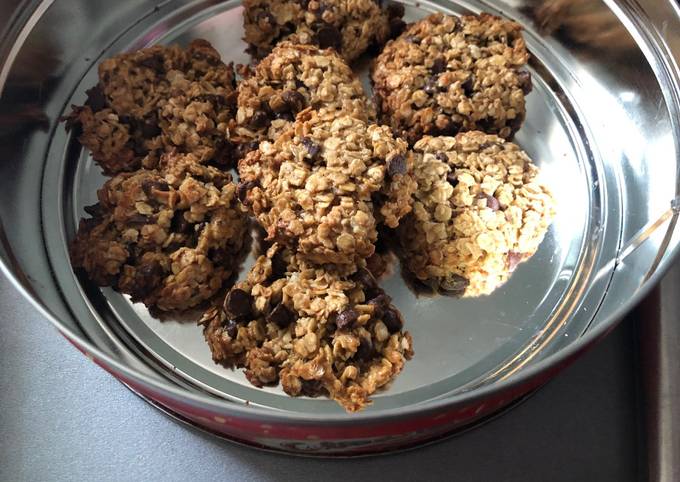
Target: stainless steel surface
{"points": [[602, 123], [659, 336]]}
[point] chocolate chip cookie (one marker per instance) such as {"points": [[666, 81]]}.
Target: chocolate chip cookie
{"points": [[290, 79], [168, 237], [479, 210], [348, 26], [311, 329], [447, 74], [158, 100], [325, 183]]}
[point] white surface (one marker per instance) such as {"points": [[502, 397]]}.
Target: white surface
{"points": [[63, 418]]}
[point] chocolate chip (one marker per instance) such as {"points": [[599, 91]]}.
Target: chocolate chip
{"points": [[329, 37], [392, 320], [174, 246], [397, 26], [457, 26], [96, 100], [88, 224], [94, 210], [207, 55], [312, 147], [365, 350], [449, 129], [244, 188], [312, 388], [525, 83], [486, 145], [487, 124], [137, 147], [155, 63], [219, 256], [396, 165], [469, 85], [279, 266], [452, 178], [377, 264], [231, 327], [150, 130], [303, 4], [226, 153], [260, 119], [395, 10], [515, 124], [514, 258], [140, 219], [365, 278], [265, 20], [454, 284], [372, 293], [151, 270], [179, 224], [413, 39], [442, 156], [218, 101], [147, 277], [287, 29], [346, 318], [438, 66], [281, 316], [294, 99], [148, 186], [380, 303], [238, 303], [242, 149], [331, 326]]}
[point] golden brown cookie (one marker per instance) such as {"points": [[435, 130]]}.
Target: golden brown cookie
{"points": [[447, 74]]}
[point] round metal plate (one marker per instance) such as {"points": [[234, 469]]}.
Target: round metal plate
{"points": [[459, 344]]}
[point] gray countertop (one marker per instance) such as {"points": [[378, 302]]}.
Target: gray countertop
{"points": [[63, 418]]}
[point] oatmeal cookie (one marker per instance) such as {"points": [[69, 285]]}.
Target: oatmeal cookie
{"points": [[169, 238], [312, 329], [446, 74], [348, 26], [479, 210], [325, 183], [292, 78], [157, 100], [198, 118]]}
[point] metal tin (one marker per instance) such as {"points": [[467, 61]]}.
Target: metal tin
{"points": [[602, 123]]}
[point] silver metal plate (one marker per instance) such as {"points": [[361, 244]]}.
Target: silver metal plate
{"points": [[459, 344]]}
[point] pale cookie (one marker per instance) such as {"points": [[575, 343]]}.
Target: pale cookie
{"points": [[479, 210]]}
